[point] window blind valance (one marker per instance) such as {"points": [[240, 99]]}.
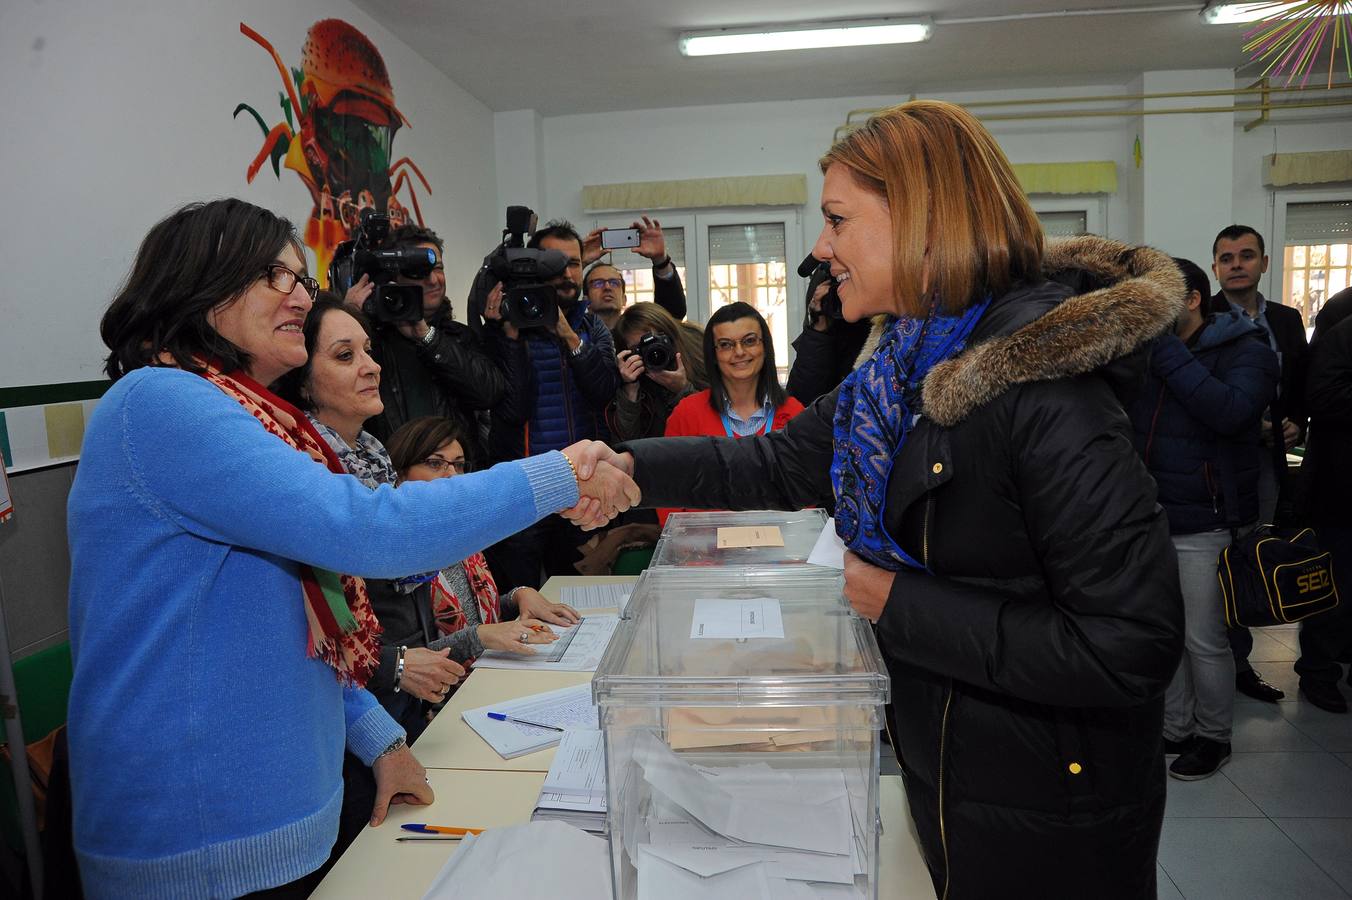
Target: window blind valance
{"points": [[696, 193]]}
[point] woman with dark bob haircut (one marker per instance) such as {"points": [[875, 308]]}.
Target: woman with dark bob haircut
{"points": [[744, 396], [221, 632], [1002, 532]]}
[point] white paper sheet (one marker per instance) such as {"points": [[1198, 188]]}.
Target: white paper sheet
{"points": [[538, 859], [761, 817], [829, 549], [569, 707], [596, 596], [579, 767], [757, 617], [586, 642]]}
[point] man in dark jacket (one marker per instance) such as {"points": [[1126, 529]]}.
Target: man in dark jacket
{"points": [[1196, 426], [1239, 259], [561, 377], [433, 367], [1030, 657], [1326, 640]]}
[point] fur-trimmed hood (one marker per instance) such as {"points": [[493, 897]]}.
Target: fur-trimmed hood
{"points": [[1132, 294]]}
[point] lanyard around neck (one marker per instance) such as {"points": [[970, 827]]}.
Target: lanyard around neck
{"points": [[727, 424]]}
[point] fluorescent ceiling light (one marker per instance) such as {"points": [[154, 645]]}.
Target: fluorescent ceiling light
{"points": [[1235, 13], [817, 34]]}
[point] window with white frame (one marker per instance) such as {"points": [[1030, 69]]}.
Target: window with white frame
{"points": [[1316, 254], [1064, 223]]}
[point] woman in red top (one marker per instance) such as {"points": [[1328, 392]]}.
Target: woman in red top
{"points": [[744, 395]]}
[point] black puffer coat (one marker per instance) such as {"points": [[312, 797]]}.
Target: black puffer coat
{"points": [[1028, 669]]}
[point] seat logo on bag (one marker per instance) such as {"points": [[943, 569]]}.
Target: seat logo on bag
{"points": [[1317, 580]]}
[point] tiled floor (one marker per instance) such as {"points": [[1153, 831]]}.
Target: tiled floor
{"points": [[1276, 821]]}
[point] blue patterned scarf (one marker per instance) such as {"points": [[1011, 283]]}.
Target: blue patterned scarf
{"points": [[874, 416]]}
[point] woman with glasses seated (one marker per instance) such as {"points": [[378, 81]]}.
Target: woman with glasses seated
{"points": [[468, 614], [221, 634], [339, 390], [744, 395]]}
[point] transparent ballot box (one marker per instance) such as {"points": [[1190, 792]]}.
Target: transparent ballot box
{"points": [[751, 538], [740, 710]]}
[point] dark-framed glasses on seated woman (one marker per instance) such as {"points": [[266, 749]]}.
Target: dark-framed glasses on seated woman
{"points": [[280, 278], [439, 465], [726, 345]]}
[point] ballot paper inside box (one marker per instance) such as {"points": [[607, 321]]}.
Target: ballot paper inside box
{"points": [[741, 766], [752, 538]]}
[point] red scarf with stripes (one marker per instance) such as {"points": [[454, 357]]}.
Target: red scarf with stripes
{"points": [[343, 630]]}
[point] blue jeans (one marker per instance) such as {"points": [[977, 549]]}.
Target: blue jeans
{"points": [[1201, 698]]}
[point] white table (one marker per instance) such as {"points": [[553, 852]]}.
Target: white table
{"points": [[476, 788]]}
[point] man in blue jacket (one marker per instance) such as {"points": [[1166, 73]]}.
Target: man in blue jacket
{"points": [[1196, 424], [560, 378]]}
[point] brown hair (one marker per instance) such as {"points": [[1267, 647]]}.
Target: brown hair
{"points": [[686, 338], [418, 439], [954, 202]]}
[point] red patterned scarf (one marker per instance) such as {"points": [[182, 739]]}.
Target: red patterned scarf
{"points": [[448, 609], [343, 630]]}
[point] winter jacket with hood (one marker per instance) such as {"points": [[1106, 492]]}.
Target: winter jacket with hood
{"points": [[1196, 422], [1029, 663]]}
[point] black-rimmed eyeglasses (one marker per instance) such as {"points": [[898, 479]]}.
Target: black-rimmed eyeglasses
{"points": [[439, 465], [280, 278]]}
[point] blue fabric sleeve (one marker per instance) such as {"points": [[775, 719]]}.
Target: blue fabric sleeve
{"points": [[1227, 402], [369, 728], [200, 459]]}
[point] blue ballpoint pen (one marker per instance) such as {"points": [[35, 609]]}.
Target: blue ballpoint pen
{"points": [[503, 717]]}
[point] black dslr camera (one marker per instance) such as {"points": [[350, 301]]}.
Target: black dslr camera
{"points": [[369, 254], [817, 272], [528, 299], [657, 352]]}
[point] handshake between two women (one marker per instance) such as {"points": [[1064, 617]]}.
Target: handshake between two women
{"points": [[605, 484]]}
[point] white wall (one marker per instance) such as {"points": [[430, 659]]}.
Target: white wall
{"points": [[788, 137], [775, 138], [116, 113]]}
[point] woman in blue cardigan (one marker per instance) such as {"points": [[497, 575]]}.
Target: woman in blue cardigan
{"points": [[221, 634]]}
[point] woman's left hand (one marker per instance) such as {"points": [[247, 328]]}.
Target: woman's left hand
{"points": [[867, 587], [400, 778], [531, 604], [673, 380]]}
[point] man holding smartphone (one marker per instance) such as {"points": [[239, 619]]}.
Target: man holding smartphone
{"points": [[604, 283]]}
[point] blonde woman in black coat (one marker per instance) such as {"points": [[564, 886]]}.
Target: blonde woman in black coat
{"points": [[1004, 534]]}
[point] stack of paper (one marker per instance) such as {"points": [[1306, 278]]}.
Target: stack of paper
{"points": [[735, 833], [575, 788], [569, 707], [539, 859], [578, 649], [596, 596]]}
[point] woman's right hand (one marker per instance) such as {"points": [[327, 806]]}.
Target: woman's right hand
{"points": [[429, 674], [507, 636]]}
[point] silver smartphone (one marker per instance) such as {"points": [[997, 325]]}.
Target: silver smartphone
{"points": [[616, 238]]}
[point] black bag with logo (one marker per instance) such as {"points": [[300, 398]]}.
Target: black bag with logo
{"points": [[1269, 578], [1272, 576]]}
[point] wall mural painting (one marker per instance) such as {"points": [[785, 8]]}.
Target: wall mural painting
{"points": [[343, 100]]}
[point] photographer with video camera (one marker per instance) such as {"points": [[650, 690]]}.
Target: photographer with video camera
{"points": [[432, 365], [662, 363], [828, 347], [559, 360]]}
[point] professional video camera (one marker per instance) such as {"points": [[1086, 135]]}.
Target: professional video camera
{"points": [[816, 272], [369, 254], [657, 352], [528, 298]]}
